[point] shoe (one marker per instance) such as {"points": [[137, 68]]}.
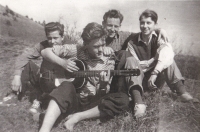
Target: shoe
{"points": [[139, 110], [9, 100], [35, 108], [186, 97]]}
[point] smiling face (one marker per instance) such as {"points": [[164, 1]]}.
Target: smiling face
{"points": [[147, 25], [54, 38], [112, 26], [95, 48]]}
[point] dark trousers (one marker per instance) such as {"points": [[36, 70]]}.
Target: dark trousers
{"points": [[69, 101], [30, 81], [39, 88]]}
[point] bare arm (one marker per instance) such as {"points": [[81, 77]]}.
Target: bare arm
{"points": [[50, 56]]}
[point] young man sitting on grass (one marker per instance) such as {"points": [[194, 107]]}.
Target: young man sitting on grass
{"points": [[155, 58], [29, 76], [92, 100]]}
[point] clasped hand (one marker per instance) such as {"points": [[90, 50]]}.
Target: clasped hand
{"points": [[104, 78], [69, 65]]}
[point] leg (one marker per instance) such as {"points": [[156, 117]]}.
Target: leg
{"points": [[135, 88], [30, 81], [175, 81], [118, 82], [75, 118], [53, 112], [108, 106], [64, 100]]}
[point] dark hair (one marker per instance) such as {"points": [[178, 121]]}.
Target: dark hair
{"points": [[113, 14], [54, 26], [149, 13], [92, 31]]}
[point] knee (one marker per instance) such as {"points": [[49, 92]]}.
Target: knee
{"points": [[132, 60], [67, 85]]}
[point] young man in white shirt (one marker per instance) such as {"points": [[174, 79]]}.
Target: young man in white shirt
{"points": [[155, 57]]}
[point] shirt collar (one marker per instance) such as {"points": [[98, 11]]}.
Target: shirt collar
{"points": [[87, 57], [152, 34]]}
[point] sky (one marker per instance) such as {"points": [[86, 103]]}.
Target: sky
{"points": [[180, 19]]}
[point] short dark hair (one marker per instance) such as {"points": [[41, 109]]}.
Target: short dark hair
{"points": [[113, 14], [92, 31], [54, 26], [149, 13]]}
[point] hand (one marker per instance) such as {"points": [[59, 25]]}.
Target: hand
{"points": [[16, 83], [151, 61], [144, 64], [105, 77], [70, 65], [151, 82], [108, 51]]}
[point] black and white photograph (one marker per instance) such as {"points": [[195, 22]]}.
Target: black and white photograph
{"points": [[99, 66]]}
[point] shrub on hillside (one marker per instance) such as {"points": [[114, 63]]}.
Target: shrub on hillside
{"points": [[26, 16], [72, 34], [10, 11], [15, 18], [44, 23], [5, 14], [8, 23], [7, 9]]}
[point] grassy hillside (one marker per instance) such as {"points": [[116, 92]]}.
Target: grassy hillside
{"points": [[20, 27]]}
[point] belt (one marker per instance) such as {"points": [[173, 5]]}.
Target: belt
{"points": [[47, 75]]}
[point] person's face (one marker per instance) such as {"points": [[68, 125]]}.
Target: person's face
{"points": [[112, 26], [147, 25], [54, 38], [95, 48]]}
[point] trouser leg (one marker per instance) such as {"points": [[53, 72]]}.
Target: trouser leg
{"points": [[174, 79], [30, 81], [131, 85], [122, 83], [113, 104], [118, 82]]}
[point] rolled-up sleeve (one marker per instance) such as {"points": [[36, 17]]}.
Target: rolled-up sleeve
{"points": [[27, 55], [165, 56], [66, 50]]}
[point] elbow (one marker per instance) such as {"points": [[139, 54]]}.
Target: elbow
{"points": [[43, 53]]}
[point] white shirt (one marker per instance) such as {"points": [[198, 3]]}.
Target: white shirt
{"points": [[164, 55]]}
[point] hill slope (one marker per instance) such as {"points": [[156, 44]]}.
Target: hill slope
{"points": [[20, 27]]}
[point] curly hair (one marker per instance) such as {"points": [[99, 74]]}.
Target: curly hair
{"points": [[92, 31]]}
